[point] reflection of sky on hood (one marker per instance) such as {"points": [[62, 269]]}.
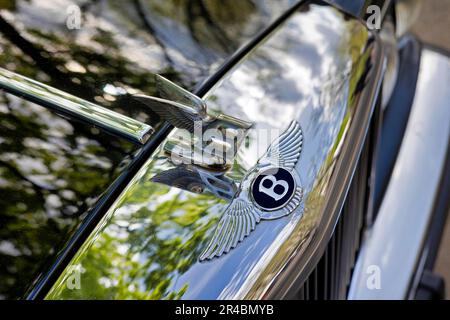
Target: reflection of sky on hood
{"points": [[52, 172], [301, 73], [295, 79]]}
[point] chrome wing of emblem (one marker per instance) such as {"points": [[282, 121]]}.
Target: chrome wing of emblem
{"points": [[270, 190]]}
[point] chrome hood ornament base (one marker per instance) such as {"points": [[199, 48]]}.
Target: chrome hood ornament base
{"points": [[269, 191]]}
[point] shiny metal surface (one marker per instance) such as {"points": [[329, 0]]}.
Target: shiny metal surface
{"points": [[176, 105], [75, 107], [244, 213], [199, 180], [55, 174], [114, 54], [120, 45], [320, 68], [188, 112], [396, 240], [407, 12]]}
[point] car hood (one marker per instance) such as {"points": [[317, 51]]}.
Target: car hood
{"points": [[54, 170]]}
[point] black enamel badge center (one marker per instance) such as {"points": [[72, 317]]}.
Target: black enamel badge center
{"points": [[273, 188]]}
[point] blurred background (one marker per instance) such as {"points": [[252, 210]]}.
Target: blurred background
{"points": [[432, 27]]}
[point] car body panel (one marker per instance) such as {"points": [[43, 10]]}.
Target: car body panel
{"points": [[118, 45], [320, 67], [394, 250], [53, 174]]}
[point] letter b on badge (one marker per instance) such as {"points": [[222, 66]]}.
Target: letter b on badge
{"points": [[271, 192], [273, 188]]}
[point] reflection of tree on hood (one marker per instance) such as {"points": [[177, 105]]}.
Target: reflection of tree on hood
{"points": [[119, 45]]}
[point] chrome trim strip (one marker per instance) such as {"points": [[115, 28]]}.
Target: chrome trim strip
{"points": [[395, 242], [75, 107]]}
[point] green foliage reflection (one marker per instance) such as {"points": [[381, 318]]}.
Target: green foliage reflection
{"points": [[153, 236]]}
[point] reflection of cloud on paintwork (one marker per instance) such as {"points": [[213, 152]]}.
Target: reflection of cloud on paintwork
{"points": [[151, 239]]}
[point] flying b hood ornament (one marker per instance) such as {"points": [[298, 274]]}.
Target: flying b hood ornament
{"points": [[187, 112], [270, 190]]}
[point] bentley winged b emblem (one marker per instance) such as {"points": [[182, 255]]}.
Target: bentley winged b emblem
{"points": [[269, 191]]}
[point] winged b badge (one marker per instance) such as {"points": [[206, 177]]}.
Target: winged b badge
{"points": [[270, 190]]}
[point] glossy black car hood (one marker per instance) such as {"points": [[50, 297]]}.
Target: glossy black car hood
{"points": [[116, 45], [50, 176], [52, 173]]}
